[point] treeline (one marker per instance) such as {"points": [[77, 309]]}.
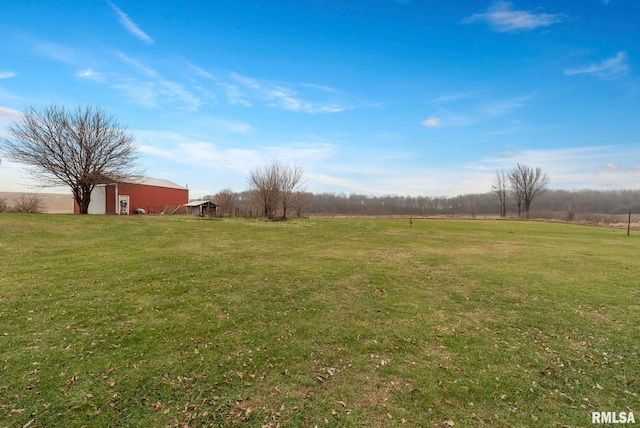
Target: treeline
{"points": [[558, 201], [563, 203]]}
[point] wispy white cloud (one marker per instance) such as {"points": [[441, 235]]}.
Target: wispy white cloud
{"points": [[449, 118], [58, 52], [499, 108], [235, 96], [304, 152], [432, 122], [89, 73], [243, 88], [608, 69], [150, 72], [197, 85], [179, 148], [201, 152], [322, 88], [246, 81], [142, 93], [504, 19], [232, 126], [6, 112], [7, 74], [7, 115], [288, 99], [131, 26], [149, 89], [480, 111], [455, 97], [246, 91], [72, 55], [201, 72]]}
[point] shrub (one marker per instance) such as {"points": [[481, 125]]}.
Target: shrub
{"points": [[27, 203]]}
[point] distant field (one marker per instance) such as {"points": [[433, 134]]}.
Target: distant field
{"points": [[182, 321], [52, 203]]}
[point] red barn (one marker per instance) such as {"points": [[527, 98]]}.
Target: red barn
{"points": [[149, 194]]}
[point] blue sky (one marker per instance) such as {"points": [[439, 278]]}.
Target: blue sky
{"points": [[403, 97]]}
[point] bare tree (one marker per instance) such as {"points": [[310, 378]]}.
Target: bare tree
{"points": [[527, 184], [291, 180], [79, 148], [499, 187], [273, 185], [264, 185], [225, 200]]}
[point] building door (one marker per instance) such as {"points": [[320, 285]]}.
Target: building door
{"points": [[123, 204], [98, 203]]}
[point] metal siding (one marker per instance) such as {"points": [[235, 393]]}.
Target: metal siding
{"points": [[111, 199], [153, 199]]}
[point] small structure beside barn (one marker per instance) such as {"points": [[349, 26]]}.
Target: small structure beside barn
{"points": [[202, 207], [152, 195]]}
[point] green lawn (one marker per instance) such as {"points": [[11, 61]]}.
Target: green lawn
{"points": [[181, 321]]}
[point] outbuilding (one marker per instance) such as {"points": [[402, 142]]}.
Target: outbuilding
{"points": [[201, 207], [148, 195]]}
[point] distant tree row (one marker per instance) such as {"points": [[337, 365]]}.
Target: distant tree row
{"points": [[564, 204], [276, 188]]}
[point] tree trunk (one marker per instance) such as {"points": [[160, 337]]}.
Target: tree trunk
{"points": [[82, 196]]}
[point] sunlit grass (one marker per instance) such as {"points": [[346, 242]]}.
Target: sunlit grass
{"points": [[163, 321]]}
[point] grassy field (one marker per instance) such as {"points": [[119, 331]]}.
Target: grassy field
{"points": [[181, 321]]}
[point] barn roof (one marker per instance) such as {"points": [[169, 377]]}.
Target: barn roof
{"points": [[148, 181], [157, 182]]}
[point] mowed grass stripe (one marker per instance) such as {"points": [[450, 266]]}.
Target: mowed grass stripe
{"points": [[163, 321]]}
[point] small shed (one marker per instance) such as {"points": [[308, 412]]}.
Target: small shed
{"points": [[202, 207]]}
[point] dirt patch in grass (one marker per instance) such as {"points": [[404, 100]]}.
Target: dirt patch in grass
{"points": [[600, 315]]}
